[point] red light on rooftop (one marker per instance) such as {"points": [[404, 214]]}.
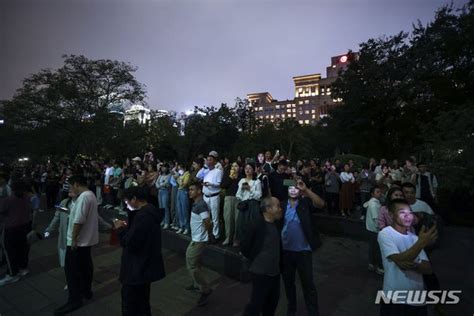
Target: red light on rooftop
{"points": [[343, 59]]}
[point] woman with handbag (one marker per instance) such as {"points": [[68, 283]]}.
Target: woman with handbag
{"points": [[248, 197]]}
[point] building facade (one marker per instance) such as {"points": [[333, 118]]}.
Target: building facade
{"points": [[313, 97]]}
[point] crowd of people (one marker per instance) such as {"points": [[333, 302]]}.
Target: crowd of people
{"points": [[260, 206]]}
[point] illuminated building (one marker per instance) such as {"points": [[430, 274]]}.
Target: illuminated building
{"points": [[313, 97]]}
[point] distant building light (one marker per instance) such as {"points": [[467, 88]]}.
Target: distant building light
{"points": [[343, 59], [2, 122]]}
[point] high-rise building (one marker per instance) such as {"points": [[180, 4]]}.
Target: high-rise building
{"points": [[313, 96]]}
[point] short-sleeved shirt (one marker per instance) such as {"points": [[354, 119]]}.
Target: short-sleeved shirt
{"points": [[84, 212], [392, 242], [199, 213]]}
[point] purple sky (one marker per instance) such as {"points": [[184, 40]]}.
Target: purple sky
{"points": [[198, 52]]}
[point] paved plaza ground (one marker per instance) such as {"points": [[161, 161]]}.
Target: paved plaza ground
{"points": [[344, 285]]}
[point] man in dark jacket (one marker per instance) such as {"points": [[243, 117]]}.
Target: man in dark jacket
{"points": [[262, 246], [142, 262], [299, 238]]}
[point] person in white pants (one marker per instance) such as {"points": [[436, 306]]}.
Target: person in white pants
{"points": [[211, 189]]}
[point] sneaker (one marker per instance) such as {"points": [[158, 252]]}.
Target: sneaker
{"points": [[179, 231], [166, 226], [204, 298], [9, 279], [23, 272], [65, 288], [371, 267], [379, 271], [186, 232], [67, 308]]}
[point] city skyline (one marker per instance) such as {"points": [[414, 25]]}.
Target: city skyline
{"points": [[204, 53]]}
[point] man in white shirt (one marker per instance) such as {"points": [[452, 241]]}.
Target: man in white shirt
{"points": [[201, 227], [404, 259], [82, 234], [108, 175], [417, 206], [211, 189]]}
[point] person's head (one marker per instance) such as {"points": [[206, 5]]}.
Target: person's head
{"points": [[261, 158], [422, 167], [306, 168], [293, 192], [383, 161], [249, 170], [337, 162], [376, 192], [135, 197], [347, 168], [299, 164], [78, 184], [351, 162], [195, 190], [410, 162], [394, 194], [385, 169], [197, 164], [271, 209], [409, 191], [395, 164], [164, 169], [151, 168], [282, 166], [401, 213], [268, 155], [212, 159], [396, 184]]}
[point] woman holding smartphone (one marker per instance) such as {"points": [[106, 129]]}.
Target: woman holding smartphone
{"points": [[248, 196]]}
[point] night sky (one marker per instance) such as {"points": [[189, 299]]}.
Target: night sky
{"points": [[198, 52]]}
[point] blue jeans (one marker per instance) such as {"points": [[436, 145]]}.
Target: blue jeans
{"points": [[164, 202], [183, 209]]}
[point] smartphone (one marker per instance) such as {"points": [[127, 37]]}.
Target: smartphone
{"points": [[289, 183]]}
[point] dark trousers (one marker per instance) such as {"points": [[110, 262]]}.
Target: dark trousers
{"points": [[265, 295], [332, 201], [79, 271], [301, 261], [136, 299], [51, 196], [17, 248], [402, 310], [375, 257]]}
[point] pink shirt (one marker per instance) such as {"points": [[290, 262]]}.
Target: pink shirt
{"points": [[384, 219]]}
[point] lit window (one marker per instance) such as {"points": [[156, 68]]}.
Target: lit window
{"points": [[301, 122], [288, 110], [288, 105], [278, 115], [329, 93], [267, 116], [277, 106], [283, 115], [294, 110], [300, 102], [313, 111], [260, 108], [293, 105], [300, 90], [306, 101], [306, 112], [313, 116], [294, 115], [271, 116], [306, 121]]}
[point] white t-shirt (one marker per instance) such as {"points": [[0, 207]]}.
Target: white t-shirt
{"points": [[392, 242], [199, 213], [373, 210], [255, 192], [421, 206], [84, 212], [109, 172]]}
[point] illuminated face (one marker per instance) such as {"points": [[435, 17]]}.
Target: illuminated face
{"points": [[293, 192], [193, 192], [275, 210], [261, 158], [403, 216], [211, 161]]}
